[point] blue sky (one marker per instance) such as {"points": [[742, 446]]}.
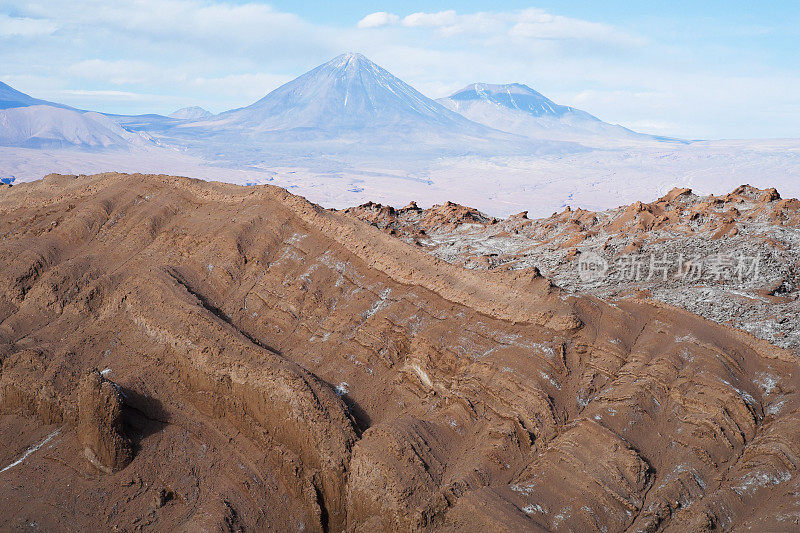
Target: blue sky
{"points": [[692, 69]]}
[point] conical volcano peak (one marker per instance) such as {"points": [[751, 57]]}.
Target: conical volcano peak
{"points": [[352, 63], [348, 93], [351, 58]]}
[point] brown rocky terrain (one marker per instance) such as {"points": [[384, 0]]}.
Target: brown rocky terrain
{"points": [[732, 259], [183, 355]]}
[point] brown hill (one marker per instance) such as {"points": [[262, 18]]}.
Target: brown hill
{"points": [[265, 364]]}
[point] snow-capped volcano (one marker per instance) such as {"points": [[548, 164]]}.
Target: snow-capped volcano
{"points": [[347, 94], [517, 108]]}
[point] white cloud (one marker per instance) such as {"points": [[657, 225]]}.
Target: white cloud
{"points": [[203, 24], [432, 20], [25, 27], [526, 24], [538, 24], [378, 19]]}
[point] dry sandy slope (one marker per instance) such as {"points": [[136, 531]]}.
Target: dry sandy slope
{"points": [[265, 364]]}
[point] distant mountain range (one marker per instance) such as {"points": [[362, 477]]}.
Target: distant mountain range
{"points": [[517, 108], [348, 132], [348, 94], [349, 110], [347, 105]]}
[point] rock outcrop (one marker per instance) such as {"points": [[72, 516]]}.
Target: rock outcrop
{"points": [[737, 251], [100, 424]]}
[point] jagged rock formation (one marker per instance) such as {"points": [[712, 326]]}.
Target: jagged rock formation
{"points": [[731, 258], [291, 368], [100, 424]]}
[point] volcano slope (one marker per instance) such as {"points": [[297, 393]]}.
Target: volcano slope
{"points": [[186, 355]]}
